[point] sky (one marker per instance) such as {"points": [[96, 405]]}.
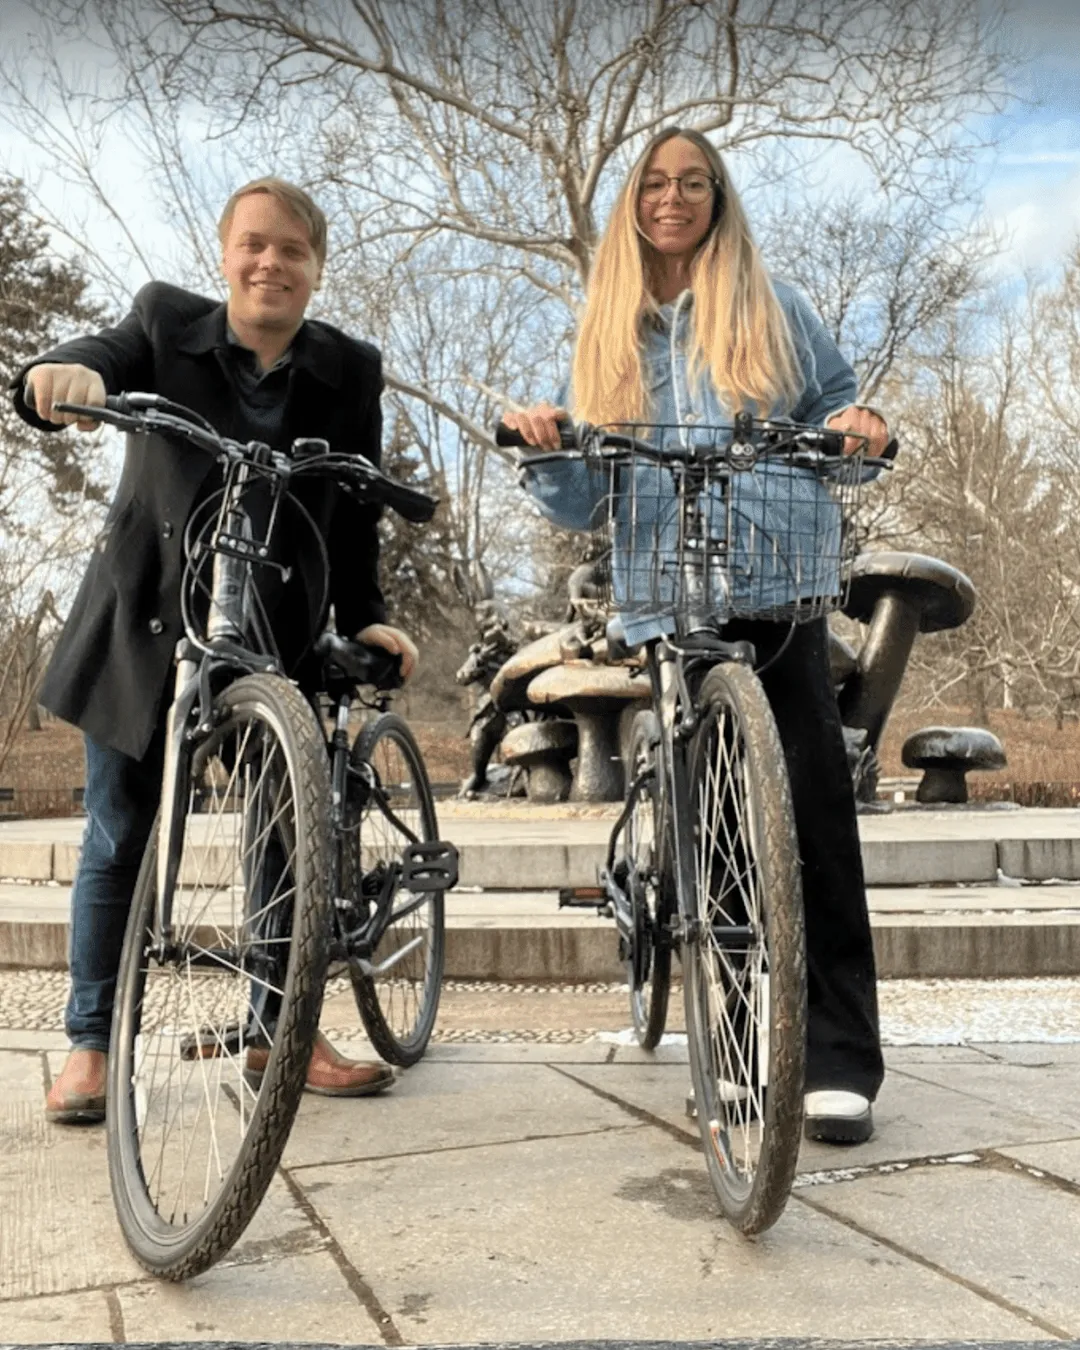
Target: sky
{"points": [[1032, 177]]}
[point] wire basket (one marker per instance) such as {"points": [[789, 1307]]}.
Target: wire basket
{"points": [[700, 527]]}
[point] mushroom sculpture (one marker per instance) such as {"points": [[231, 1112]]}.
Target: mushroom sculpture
{"points": [[946, 755], [544, 751], [595, 695], [899, 595], [509, 687]]}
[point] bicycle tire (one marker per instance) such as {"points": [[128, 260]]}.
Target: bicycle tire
{"points": [[251, 914], [745, 1001], [398, 1008], [648, 970]]}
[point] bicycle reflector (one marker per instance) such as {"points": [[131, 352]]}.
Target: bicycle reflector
{"points": [[429, 865]]}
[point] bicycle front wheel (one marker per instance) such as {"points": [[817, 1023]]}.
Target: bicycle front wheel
{"points": [[215, 1016], [744, 958], [398, 997]]}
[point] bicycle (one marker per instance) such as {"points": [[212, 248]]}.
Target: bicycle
{"points": [[702, 862], [269, 858]]}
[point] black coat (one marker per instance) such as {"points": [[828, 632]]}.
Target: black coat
{"points": [[113, 661]]}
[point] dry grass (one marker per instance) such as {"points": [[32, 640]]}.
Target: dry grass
{"points": [[1037, 754], [1035, 749]]}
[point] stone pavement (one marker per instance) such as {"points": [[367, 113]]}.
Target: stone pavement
{"points": [[522, 1191]]}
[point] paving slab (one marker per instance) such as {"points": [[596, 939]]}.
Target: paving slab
{"points": [[61, 1318], [616, 1236], [1060, 1160], [54, 1187], [1004, 1231], [48, 1175], [438, 1104], [1031, 1052], [294, 1298], [1049, 1091]]}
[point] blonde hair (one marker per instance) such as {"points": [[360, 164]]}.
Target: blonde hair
{"points": [[294, 199], [740, 331]]}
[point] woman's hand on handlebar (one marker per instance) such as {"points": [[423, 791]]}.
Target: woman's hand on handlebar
{"points": [[861, 422], [539, 425], [392, 640], [51, 383]]}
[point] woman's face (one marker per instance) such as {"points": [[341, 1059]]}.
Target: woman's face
{"points": [[672, 224]]}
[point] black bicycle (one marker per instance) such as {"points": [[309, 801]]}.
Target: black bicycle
{"points": [[703, 525], [269, 859]]}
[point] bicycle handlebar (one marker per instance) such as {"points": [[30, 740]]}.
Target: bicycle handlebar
{"points": [[750, 438], [139, 413]]}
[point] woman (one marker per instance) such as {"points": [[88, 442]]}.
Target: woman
{"points": [[682, 324]]}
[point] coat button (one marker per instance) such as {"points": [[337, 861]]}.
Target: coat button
{"points": [[156, 627], [167, 529]]}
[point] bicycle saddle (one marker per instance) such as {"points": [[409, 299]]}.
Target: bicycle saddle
{"points": [[360, 662]]}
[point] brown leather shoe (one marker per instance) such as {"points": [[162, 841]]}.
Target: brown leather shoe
{"points": [[77, 1097], [331, 1074]]}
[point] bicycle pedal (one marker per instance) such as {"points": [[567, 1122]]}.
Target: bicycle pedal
{"points": [[583, 897], [431, 865]]}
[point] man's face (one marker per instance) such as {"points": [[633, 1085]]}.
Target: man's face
{"points": [[269, 264]]}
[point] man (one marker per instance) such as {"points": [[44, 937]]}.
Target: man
{"points": [[257, 370]]}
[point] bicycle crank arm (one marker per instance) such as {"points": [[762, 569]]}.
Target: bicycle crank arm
{"points": [[370, 968]]}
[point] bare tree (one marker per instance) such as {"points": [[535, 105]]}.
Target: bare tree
{"points": [[981, 492], [468, 151]]}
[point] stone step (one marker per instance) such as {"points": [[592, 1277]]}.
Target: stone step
{"points": [[900, 848], [919, 932]]}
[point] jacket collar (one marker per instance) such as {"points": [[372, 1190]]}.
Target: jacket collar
{"points": [[313, 349]]}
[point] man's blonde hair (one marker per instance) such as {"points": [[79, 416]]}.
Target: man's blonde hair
{"points": [[740, 331], [294, 199]]}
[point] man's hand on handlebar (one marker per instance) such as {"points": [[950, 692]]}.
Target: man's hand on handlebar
{"points": [[861, 422], [539, 425], [392, 640], [51, 383]]}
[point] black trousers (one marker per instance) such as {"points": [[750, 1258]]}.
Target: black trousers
{"points": [[843, 1043]]}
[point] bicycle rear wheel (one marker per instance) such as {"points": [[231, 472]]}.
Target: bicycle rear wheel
{"points": [[399, 1001], [651, 889], [211, 1036], [744, 960]]}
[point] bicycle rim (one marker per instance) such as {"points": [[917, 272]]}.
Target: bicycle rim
{"points": [[399, 1002], [744, 969], [195, 1130]]}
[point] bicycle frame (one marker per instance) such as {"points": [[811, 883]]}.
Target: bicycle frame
{"points": [[671, 665]]}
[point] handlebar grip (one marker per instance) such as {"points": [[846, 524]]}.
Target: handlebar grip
{"points": [[416, 507], [508, 438]]}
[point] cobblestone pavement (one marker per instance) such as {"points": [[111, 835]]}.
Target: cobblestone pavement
{"points": [[913, 1012]]}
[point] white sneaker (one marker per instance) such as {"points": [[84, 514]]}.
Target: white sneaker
{"points": [[834, 1116]]}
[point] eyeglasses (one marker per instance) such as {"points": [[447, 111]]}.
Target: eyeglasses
{"points": [[693, 187]]}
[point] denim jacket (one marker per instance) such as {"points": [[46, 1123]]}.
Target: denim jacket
{"points": [[784, 523]]}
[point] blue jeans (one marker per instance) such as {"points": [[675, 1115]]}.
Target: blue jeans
{"points": [[121, 799]]}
